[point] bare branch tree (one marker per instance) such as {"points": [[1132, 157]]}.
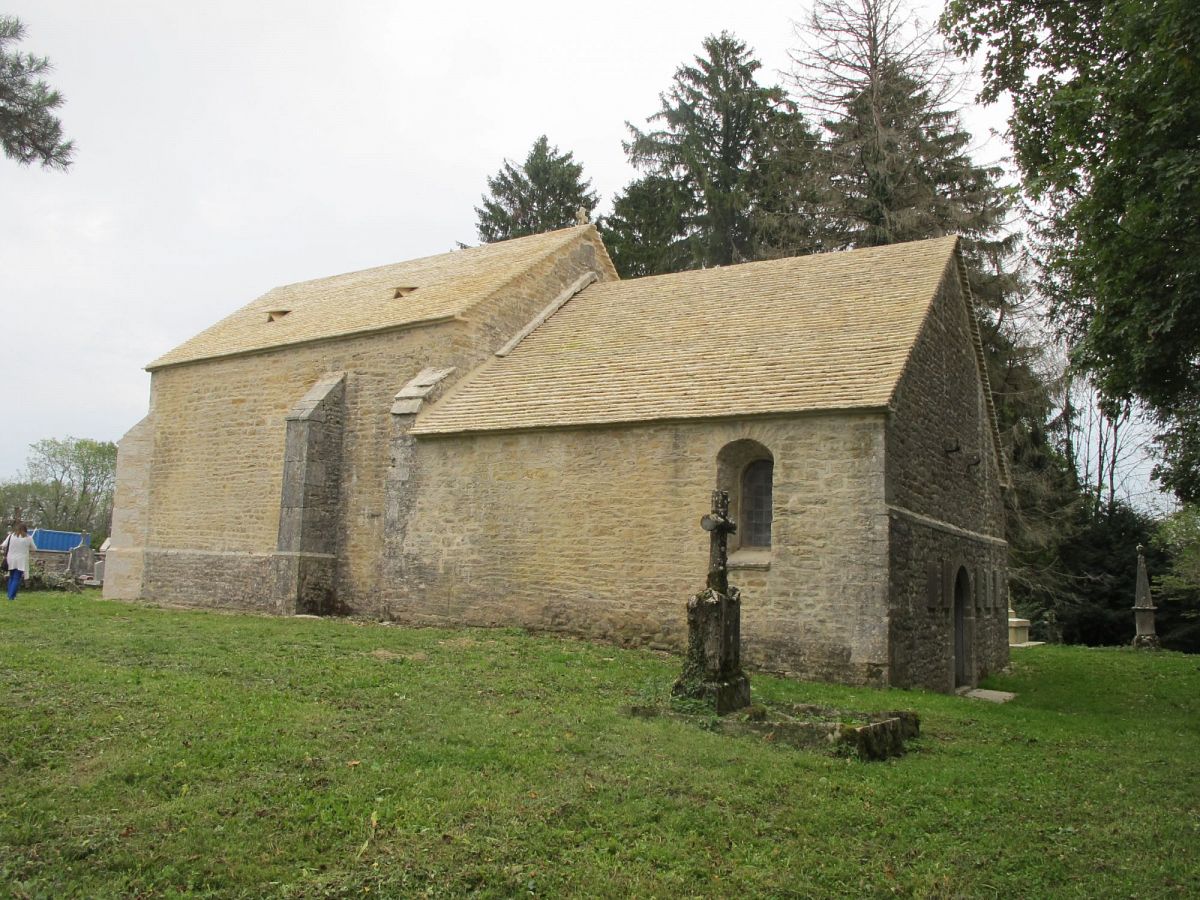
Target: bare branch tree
{"points": [[851, 46]]}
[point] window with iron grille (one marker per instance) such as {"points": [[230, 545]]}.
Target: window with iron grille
{"points": [[756, 504]]}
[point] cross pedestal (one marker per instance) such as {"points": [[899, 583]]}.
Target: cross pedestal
{"points": [[713, 669]]}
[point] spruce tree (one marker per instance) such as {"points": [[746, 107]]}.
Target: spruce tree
{"points": [[542, 194], [714, 167], [646, 232], [898, 168]]}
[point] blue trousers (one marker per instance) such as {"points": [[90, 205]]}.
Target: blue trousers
{"points": [[14, 581]]}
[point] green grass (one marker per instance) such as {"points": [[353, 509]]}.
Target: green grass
{"points": [[148, 752]]}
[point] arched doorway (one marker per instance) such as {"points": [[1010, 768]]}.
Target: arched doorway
{"points": [[962, 596]]}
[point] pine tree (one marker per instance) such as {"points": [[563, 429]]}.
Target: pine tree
{"points": [[717, 169], [29, 132], [544, 193]]}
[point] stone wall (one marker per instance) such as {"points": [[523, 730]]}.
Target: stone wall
{"points": [[52, 562], [946, 507], [596, 532], [202, 479], [305, 568], [226, 579], [124, 563]]}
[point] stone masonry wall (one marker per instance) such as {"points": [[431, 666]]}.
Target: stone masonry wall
{"points": [[925, 565], [203, 578], [219, 455], [945, 505], [305, 566], [213, 479], [596, 532], [124, 563]]}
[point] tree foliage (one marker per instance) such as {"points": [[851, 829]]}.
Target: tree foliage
{"points": [[644, 232], [542, 194], [716, 187], [898, 167], [1179, 535], [29, 131], [68, 486], [895, 161], [1106, 109]]}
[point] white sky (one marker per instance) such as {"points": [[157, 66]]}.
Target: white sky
{"points": [[225, 147]]}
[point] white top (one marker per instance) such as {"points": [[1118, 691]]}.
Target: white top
{"points": [[18, 551]]}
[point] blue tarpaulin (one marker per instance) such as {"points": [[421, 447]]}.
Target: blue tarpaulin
{"points": [[62, 541]]}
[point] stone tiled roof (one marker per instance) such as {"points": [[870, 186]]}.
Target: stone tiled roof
{"points": [[446, 285], [829, 331]]}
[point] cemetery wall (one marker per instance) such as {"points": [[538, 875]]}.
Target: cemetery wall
{"points": [[596, 532], [945, 505]]}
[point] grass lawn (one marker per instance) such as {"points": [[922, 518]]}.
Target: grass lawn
{"points": [[148, 752]]}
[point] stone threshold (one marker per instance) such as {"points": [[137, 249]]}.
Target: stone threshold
{"points": [[986, 695]]}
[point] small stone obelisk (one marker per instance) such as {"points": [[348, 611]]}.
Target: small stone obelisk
{"points": [[713, 669], [1143, 608]]}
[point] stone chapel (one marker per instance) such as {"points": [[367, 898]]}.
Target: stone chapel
{"points": [[509, 435]]}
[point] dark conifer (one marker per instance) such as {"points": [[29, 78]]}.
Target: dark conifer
{"points": [[544, 193]]}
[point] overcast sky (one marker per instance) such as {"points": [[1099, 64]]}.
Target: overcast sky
{"points": [[224, 148]]}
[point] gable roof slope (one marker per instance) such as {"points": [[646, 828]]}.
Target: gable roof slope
{"points": [[444, 286], [821, 332]]}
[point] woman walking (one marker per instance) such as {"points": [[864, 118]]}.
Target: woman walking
{"points": [[17, 546]]}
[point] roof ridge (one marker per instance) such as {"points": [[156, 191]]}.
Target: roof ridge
{"points": [[476, 250], [356, 302], [780, 261]]}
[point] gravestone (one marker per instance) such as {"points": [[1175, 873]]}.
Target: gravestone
{"points": [[713, 669], [79, 561]]}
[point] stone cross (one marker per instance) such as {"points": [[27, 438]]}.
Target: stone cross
{"points": [[712, 670], [719, 526], [581, 216]]}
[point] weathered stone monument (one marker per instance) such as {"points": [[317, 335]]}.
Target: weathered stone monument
{"points": [[79, 561], [1143, 608], [713, 668]]}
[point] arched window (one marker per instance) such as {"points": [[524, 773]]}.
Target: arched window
{"points": [[756, 504], [745, 469]]}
